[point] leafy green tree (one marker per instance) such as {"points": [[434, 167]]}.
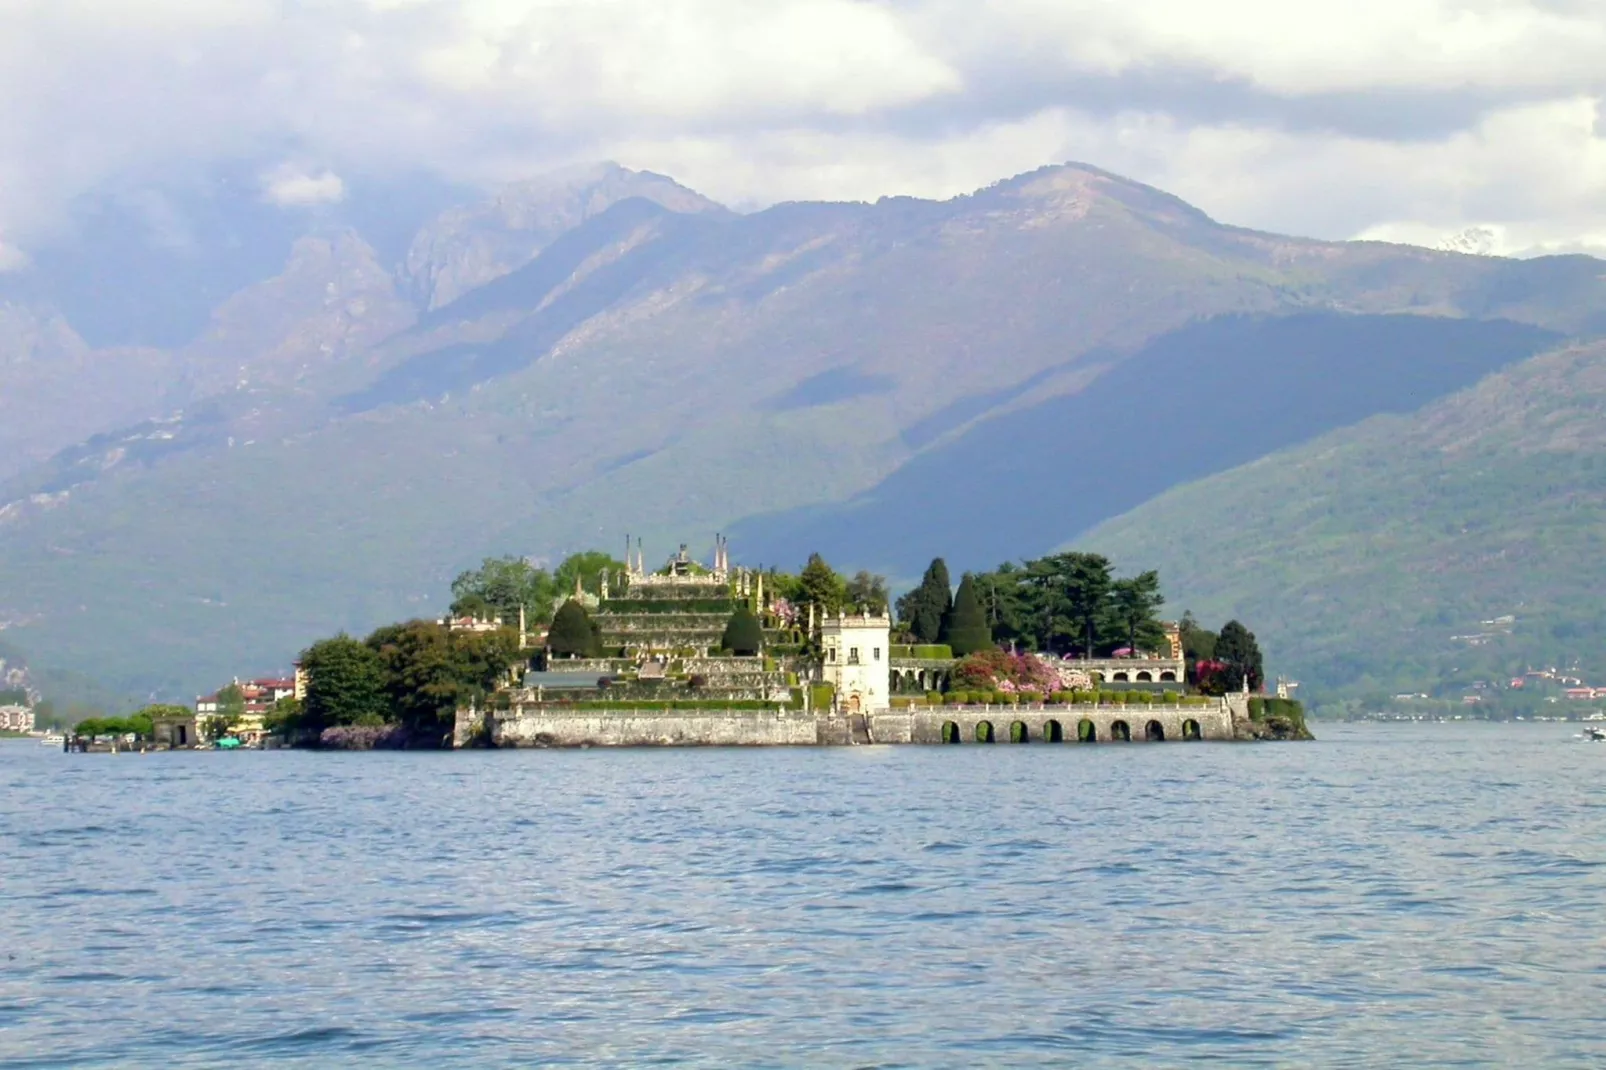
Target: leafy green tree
{"points": [[429, 671], [1239, 655], [231, 703], [571, 635], [819, 585], [867, 591], [968, 630], [345, 684], [923, 610], [1134, 605], [285, 718], [743, 634], [500, 586], [588, 567]]}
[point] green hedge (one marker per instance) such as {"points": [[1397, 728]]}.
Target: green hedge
{"points": [[667, 605], [676, 704], [929, 651], [822, 696]]}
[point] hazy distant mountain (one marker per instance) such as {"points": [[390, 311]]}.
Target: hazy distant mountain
{"points": [[589, 355], [469, 245]]}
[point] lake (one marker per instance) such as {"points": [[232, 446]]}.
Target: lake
{"points": [[1399, 895]]}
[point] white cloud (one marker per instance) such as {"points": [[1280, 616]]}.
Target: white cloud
{"points": [[1403, 117], [289, 185]]}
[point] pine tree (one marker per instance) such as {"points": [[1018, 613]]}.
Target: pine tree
{"points": [[571, 635], [968, 630], [924, 609], [743, 635]]}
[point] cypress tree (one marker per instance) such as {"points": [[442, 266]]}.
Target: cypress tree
{"points": [[743, 635], [924, 609], [968, 630], [1237, 649], [571, 635]]}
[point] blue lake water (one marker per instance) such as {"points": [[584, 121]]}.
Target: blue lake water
{"points": [[1389, 896]]}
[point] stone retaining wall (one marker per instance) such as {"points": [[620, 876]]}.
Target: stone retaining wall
{"points": [[549, 727]]}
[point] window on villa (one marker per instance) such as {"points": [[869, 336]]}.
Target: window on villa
{"points": [[830, 655], [853, 655], [877, 655]]}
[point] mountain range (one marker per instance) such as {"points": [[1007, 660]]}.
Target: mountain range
{"points": [[251, 425]]}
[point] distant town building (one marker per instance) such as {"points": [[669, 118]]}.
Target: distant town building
{"points": [[16, 719]]}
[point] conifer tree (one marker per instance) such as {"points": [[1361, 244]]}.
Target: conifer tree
{"points": [[743, 636], [1239, 653], [968, 630], [571, 635], [924, 609]]}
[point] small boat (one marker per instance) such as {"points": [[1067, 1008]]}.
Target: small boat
{"points": [[53, 740], [1595, 734]]}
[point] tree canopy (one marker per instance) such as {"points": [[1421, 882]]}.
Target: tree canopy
{"points": [[1239, 655], [923, 610], [345, 684], [868, 592], [428, 671], [500, 586], [743, 634], [1071, 602], [588, 566], [968, 630], [819, 585]]}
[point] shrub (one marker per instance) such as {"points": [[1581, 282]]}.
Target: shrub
{"points": [[743, 635], [924, 651], [1170, 698], [934, 697], [1030, 696], [570, 635], [1000, 698], [1257, 709], [698, 680]]}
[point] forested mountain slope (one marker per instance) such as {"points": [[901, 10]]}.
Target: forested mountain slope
{"points": [[1372, 559]]}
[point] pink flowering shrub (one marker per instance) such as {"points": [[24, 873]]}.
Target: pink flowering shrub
{"points": [[1006, 673]]}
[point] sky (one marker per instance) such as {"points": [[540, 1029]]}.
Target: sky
{"points": [[1473, 122]]}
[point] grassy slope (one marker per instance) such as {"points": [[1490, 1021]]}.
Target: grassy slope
{"points": [[1357, 557]]}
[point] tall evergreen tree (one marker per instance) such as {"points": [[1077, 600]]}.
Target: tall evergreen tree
{"points": [[1239, 653], [923, 609], [820, 585], [571, 635], [968, 630], [1134, 603], [743, 636]]}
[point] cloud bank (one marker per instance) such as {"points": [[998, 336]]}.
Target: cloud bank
{"points": [[1400, 119]]}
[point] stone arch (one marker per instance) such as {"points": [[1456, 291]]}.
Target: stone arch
{"points": [[1019, 733], [950, 732], [1053, 732], [984, 731], [1154, 732], [1190, 730], [1120, 730], [1119, 677], [1144, 676], [1168, 676], [1086, 731]]}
